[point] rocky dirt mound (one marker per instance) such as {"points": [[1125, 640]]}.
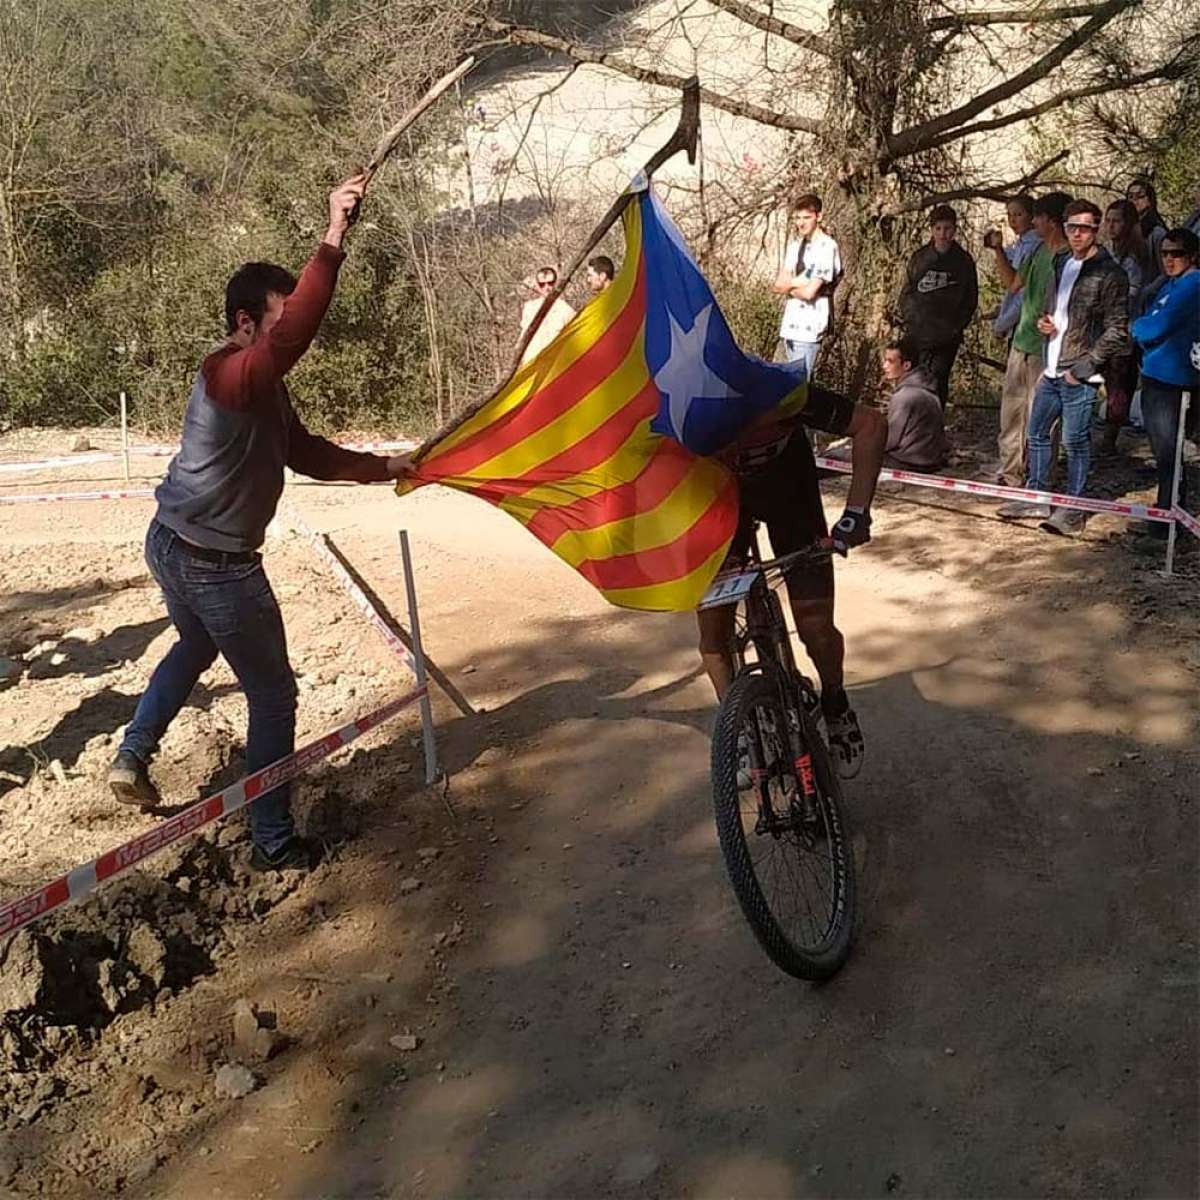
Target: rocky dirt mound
{"points": [[64, 981]]}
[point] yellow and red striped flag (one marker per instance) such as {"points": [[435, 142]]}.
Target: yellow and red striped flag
{"points": [[567, 450]]}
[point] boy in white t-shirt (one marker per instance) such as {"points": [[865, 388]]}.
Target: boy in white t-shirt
{"points": [[811, 267]]}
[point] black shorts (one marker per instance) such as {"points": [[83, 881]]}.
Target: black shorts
{"points": [[785, 496]]}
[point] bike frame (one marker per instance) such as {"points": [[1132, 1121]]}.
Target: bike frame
{"points": [[766, 630]]}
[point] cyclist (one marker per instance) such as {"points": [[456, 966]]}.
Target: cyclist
{"points": [[777, 477]]}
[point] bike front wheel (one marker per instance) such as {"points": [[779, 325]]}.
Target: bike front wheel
{"points": [[780, 824]]}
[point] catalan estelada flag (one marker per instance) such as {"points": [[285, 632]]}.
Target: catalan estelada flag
{"points": [[588, 445]]}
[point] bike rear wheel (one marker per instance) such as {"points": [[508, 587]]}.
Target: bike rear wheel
{"points": [[785, 841]]}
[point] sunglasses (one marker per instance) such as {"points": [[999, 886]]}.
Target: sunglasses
{"points": [[1081, 227], [545, 283], [1172, 252]]}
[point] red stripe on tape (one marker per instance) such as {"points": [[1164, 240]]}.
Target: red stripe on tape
{"points": [[28, 908], [115, 861]]}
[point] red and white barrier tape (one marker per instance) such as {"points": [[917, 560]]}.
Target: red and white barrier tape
{"points": [[87, 877], [361, 601], [62, 497], [1187, 521], [98, 456], [1121, 508], [50, 464]]}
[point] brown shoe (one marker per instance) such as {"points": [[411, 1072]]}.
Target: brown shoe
{"points": [[131, 783]]}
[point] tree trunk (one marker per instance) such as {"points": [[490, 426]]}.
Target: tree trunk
{"points": [[12, 324]]}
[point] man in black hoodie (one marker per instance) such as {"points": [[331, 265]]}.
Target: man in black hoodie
{"points": [[941, 293]]}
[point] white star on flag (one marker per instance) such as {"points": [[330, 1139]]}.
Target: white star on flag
{"points": [[685, 376]]}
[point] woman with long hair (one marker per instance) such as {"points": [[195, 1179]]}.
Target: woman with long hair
{"points": [[1144, 198]]}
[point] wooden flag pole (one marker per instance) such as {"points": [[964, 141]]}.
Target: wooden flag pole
{"points": [[391, 139], [684, 138]]}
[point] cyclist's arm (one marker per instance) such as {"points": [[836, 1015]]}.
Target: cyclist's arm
{"points": [[867, 429]]}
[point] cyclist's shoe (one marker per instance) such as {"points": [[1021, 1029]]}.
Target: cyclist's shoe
{"points": [[131, 782], [845, 742], [745, 781]]}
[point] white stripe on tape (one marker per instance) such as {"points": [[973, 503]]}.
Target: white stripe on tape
{"points": [[84, 879], [136, 494], [81, 880], [49, 464], [1119, 508]]}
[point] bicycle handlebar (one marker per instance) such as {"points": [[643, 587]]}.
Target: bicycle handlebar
{"points": [[818, 551]]}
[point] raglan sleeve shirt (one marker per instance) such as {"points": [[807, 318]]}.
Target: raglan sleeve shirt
{"points": [[239, 378]]}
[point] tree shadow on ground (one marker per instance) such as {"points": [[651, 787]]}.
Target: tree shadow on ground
{"points": [[103, 712], [1018, 1018]]}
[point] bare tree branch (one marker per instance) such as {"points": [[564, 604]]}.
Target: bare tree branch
{"points": [[1014, 16], [1176, 69], [784, 29], [521, 36], [997, 191], [921, 137]]}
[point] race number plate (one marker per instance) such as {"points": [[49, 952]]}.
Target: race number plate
{"points": [[728, 588]]}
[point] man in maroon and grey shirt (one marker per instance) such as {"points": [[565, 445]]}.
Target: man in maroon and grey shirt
{"points": [[220, 493]]}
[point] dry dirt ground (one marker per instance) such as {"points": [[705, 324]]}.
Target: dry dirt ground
{"points": [[591, 1015]]}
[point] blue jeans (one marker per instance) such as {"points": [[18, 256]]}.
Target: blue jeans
{"points": [[1160, 416], [225, 608], [805, 352], [1073, 402]]}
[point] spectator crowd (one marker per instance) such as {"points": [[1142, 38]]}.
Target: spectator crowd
{"points": [[1095, 301]]}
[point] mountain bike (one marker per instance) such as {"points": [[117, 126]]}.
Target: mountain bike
{"points": [[776, 794]]}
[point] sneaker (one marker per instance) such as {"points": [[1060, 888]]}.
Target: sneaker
{"points": [[845, 743], [130, 781], [1020, 510], [296, 854], [1064, 522]]}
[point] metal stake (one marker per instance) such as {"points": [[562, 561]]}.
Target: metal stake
{"points": [[125, 434], [432, 771], [1185, 399]]}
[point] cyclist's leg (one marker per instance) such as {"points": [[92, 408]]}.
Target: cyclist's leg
{"points": [[716, 634], [796, 520], [811, 595], [716, 624]]}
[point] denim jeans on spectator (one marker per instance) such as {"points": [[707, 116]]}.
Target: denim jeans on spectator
{"points": [[1160, 416], [1074, 403], [805, 352], [225, 608], [939, 362]]}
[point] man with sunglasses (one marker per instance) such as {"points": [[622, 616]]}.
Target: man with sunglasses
{"points": [[1085, 322], [557, 319]]}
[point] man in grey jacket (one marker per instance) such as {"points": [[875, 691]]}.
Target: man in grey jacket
{"points": [[1085, 323], [916, 439], [916, 425]]}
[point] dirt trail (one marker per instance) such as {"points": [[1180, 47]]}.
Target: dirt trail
{"points": [[592, 1016]]}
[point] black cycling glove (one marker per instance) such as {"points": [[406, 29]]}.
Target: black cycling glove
{"points": [[853, 529]]}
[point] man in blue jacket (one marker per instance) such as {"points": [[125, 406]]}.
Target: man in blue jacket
{"points": [[1169, 337]]}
